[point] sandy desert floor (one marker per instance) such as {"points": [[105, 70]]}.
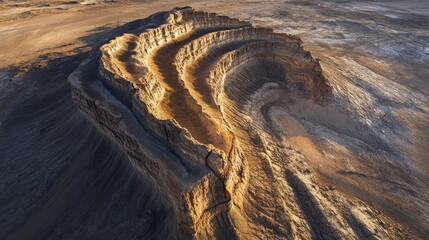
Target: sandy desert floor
{"points": [[62, 178]]}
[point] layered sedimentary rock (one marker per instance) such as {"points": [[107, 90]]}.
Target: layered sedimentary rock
{"points": [[199, 104]]}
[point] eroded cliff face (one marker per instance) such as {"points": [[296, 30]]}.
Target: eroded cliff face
{"points": [[199, 103]]}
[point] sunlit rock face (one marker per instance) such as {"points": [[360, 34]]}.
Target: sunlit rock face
{"points": [[210, 110]]}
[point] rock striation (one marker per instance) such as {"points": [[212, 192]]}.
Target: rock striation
{"points": [[196, 101]]}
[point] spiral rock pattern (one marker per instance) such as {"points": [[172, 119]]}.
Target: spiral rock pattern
{"points": [[198, 103]]}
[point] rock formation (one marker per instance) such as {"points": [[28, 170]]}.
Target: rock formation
{"points": [[199, 103]]}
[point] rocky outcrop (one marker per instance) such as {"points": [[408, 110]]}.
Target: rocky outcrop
{"points": [[193, 99]]}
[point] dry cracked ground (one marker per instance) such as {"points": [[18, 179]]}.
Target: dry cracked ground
{"points": [[221, 120]]}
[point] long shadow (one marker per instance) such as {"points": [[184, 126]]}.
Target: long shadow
{"points": [[60, 177]]}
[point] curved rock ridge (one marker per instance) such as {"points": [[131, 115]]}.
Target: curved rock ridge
{"points": [[197, 101]]}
